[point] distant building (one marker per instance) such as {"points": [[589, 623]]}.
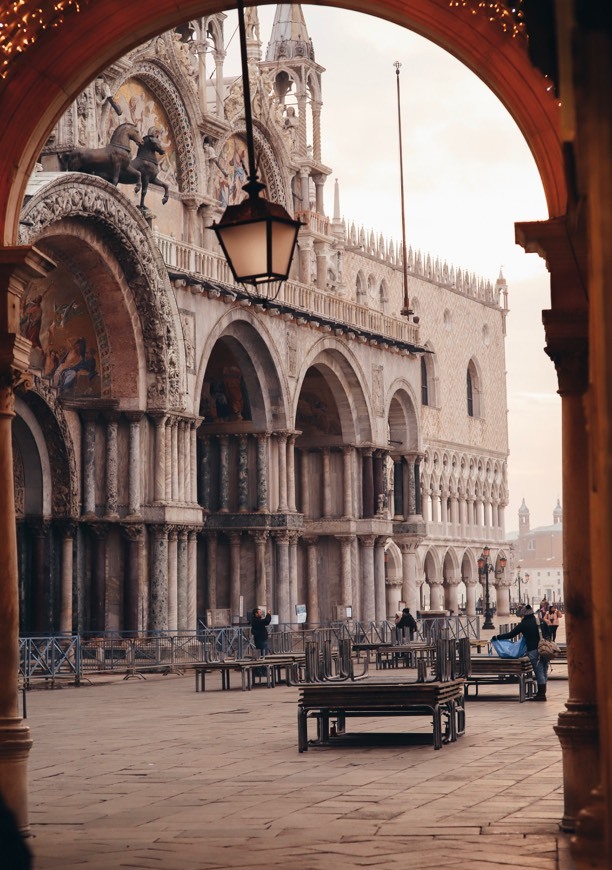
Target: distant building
{"points": [[537, 557]]}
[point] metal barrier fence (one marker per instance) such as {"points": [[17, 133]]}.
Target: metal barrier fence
{"points": [[50, 659]]}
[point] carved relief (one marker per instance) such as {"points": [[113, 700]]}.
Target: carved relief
{"points": [[19, 477]]}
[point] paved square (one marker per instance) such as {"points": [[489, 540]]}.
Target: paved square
{"points": [[144, 774]]}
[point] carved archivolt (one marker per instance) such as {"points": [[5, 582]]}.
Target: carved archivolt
{"points": [[127, 234]]}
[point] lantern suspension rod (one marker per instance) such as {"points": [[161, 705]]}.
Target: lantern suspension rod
{"points": [[248, 115], [406, 310]]}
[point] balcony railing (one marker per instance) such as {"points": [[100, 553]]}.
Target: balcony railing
{"points": [[204, 264]]}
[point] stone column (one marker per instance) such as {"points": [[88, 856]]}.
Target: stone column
{"points": [[451, 589], [234, 570], [409, 574], [205, 473], [223, 474], [293, 575], [169, 459], [219, 58], [193, 464], [134, 464], [393, 595], [18, 266], [262, 472], [470, 599], [378, 481], [454, 517], [305, 482], [184, 454], [68, 531], [346, 584], [291, 472], [281, 439], [410, 502], [112, 424], [243, 475], [98, 578], [211, 569], [368, 483], [159, 484], [436, 595], [159, 578], [282, 576], [40, 596], [347, 482], [319, 180], [305, 249], [312, 582], [131, 590], [502, 597], [316, 145], [172, 579], [182, 581], [326, 483], [368, 596], [261, 591], [302, 99], [398, 488], [379, 579], [176, 460], [418, 497], [89, 463], [192, 580]]}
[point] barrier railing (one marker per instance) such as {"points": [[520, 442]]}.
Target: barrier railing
{"points": [[75, 657]]}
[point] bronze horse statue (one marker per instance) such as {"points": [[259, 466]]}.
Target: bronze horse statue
{"points": [[108, 162], [114, 161], [145, 165]]}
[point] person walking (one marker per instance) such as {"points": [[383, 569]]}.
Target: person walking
{"points": [[528, 627], [259, 630], [542, 614]]}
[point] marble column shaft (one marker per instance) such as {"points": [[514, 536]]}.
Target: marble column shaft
{"points": [[98, 592], [159, 483], [89, 465], [368, 597], [368, 482], [291, 473], [39, 596], [243, 475], [174, 459], [182, 581], [168, 460], [346, 588], [182, 454], [312, 582], [398, 488], [134, 465], [282, 576], [380, 592], [159, 579], [205, 473], [224, 477], [211, 569], [68, 533], [347, 481], [234, 570], [192, 581], [112, 458], [326, 482], [261, 590], [293, 575], [172, 579], [409, 579], [305, 482], [262, 472], [281, 440]]}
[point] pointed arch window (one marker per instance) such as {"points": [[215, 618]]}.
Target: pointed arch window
{"points": [[424, 382], [470, 394]]}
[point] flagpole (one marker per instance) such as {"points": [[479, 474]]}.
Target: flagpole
{"points": [[406, 310]]}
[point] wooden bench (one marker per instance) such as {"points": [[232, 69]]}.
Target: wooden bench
{"points": [[495, 671], [325, 701], [248, 669], [408, 654]]}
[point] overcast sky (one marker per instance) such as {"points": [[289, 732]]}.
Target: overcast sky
{"points": [[468, 176]]}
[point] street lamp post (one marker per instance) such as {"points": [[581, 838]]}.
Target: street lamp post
{"points": [[484, 569], [518, 580]]}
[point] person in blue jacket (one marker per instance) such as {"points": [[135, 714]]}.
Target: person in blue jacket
{"points": [[528, 627]]}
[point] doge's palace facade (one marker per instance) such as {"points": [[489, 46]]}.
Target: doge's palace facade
{"points": [[190, 446]]}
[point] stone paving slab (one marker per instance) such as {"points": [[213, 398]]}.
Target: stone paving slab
{"points": [[141, 774]]}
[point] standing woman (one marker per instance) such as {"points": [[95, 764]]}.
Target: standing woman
{"points": [[552, 620]]}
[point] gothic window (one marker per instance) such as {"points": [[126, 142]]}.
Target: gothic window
{"points": [[360, 289], [470, 395], [424, 383]]}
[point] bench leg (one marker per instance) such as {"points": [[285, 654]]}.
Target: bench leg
{"points": [[437, 727], [302, 730]]}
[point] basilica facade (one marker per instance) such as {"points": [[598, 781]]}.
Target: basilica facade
{"points": [[191, 448]]}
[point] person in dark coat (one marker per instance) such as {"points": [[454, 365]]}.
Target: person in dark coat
{"points": [[407, 621], [259, 630], [528, 627]]}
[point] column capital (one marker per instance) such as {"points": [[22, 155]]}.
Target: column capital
{"points": [[132, 531], [367, 540], [67, 527], [567, 345], [133, 416], [281, 536], [260, 536], [310, 540]]}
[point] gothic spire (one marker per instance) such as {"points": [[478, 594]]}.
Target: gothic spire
{"points": [[289, 37]]}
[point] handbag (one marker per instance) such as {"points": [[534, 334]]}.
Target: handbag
{"points": [[548, 649], [507, 649]]}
